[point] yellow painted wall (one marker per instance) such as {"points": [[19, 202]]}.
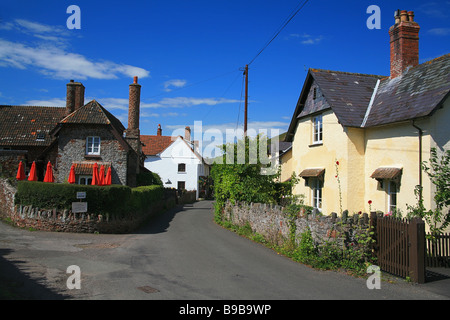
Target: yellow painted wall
{"points": [[286, 166], [360, 152]]}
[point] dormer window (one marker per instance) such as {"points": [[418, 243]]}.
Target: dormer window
{"points": [[93, 145]]}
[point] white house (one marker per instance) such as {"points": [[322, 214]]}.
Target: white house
{"points": [[176, 160]]}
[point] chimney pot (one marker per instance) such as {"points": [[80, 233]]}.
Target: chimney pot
{"points": [[187, 133], [135, 79], [411, 16], [404, 16], [159, 131]]}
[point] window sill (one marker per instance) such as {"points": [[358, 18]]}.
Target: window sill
{"points": [[316, 144], [92, 156]]}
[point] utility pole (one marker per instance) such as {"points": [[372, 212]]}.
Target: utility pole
{"points": [[246, 99]]}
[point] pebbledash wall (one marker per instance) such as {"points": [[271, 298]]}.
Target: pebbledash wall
{"points": [[67, 221], [274, 224]]}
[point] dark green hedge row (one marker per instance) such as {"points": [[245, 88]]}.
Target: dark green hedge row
{"points": [[114, 200]]}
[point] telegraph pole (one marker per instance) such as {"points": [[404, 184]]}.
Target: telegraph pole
{"points": [[246, 99]]}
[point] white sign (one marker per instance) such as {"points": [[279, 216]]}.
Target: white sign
{"points": [[78, 207], [81, 195]]}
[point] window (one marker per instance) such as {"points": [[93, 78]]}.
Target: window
{"points": [[181, 185], [392, 196], [182, 167], [317, 193], [86, 180], [317, 129], [93, 145]]}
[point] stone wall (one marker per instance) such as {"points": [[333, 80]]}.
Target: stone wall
{"points": [[9, 161], [272, 222]]}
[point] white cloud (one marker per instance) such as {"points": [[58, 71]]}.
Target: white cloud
{"points": [[439, 31], [54, 102], [182, 102], [174, 83], [305, 38], [60, 64], [51, 57]]}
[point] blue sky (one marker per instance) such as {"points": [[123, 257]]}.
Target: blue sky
{"points": [[188, 54]]}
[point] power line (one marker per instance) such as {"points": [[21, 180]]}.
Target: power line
{"points": [[284, 24]]}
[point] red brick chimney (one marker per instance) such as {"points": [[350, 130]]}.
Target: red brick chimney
{"points": [[159, 131], [74, 97], [404, 36], [133, 109]]}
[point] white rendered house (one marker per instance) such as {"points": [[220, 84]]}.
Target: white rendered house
{"points": [[176, 160]]}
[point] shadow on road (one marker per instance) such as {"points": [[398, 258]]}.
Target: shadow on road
{"points": [[17, 285], [159, 223]]}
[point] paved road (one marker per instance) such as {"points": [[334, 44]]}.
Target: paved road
{"points": [[180, 255]]}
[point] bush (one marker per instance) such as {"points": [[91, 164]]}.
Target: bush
{"points": [[148, 178], [114, 201]]}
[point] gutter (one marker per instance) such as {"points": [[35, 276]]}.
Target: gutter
{"points": [[420, 156]]}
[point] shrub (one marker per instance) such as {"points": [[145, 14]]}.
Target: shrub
{"points": [[114, 201]]}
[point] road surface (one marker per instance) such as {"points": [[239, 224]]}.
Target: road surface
{"points": [[180, 255]]}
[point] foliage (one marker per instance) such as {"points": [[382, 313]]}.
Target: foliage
{"points": [[148, 178], [114, 200], [242, 176], [439, 173]]}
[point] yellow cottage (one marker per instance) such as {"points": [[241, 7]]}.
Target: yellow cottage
{"points": [[358, 140]]}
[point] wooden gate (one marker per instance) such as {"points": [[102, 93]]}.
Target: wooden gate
{"points": [[438, 251], [400, 246]]}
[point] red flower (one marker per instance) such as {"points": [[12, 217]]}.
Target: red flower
{"points": [[337, 162], [370, 201], [335, 176]]}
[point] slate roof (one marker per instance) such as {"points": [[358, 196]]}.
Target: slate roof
{"points": [[154, 145], [414, 94], [93, 113], [347, 93], [417, 93], [23, 125]]}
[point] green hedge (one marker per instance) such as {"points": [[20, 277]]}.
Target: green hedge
{"points": [[114, 200]]}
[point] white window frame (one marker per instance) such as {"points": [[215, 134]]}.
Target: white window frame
{"points": [[317, 197], [86, 178], [91, 143], [392, 194], [317, 129], [178, 167]]}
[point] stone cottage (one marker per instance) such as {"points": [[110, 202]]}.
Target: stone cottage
{"points": [[79, 134]]}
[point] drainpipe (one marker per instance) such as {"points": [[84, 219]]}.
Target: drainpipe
{"points": [[420, 157]]}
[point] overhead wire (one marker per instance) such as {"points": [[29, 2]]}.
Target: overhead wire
{"points": [[283, 25]]}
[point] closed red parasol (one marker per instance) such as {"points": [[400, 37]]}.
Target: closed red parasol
{"points": [[101, 176], [49, 173], [20, 172], [108, 177], [71, 179], [33, 175], [95, 181]]}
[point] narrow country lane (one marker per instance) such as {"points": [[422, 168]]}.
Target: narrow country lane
{"points": [[181, 255]]}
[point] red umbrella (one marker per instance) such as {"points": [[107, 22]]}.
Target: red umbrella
{"points": [[71, 179], [95, 175], [101, 178], [20, 172], [49, 173], [108, 177], [32, 176]]}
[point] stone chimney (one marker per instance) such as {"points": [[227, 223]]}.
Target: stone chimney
{"points": [[187, 133], [132, 135], [133, 109], [404, 42], [74, 97], [159, 131]]}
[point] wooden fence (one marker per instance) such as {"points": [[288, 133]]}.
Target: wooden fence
{"points": [[438, 251], [400, 246]]}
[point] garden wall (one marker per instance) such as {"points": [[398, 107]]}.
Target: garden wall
{"points": [[64, 220], [272, 222]]}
